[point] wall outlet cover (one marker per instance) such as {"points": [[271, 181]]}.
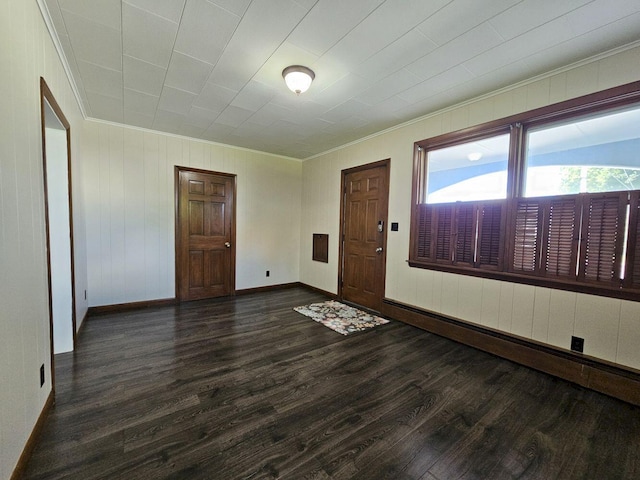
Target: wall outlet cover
{"points": [[577, 344]]}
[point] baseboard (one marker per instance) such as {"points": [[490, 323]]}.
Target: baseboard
{"points": [[27, 451], [125, 307], [268, 288], [332, 296], [590, 372]]}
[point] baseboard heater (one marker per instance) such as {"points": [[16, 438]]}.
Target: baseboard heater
{"points": [[586, 371]]}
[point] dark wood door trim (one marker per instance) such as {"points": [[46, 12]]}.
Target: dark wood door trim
{"points": [[382, 279], [47, 96], [178, 244]]}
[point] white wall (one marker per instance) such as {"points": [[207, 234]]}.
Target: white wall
{"points": [[610, 327], [59, 239], [129, 184], [26, 53]]}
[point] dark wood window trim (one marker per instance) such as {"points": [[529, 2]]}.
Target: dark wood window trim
{"points": [[569, 242]]}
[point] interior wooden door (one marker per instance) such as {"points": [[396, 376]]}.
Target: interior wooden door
{"points": [[205, 234], [364, 207]]}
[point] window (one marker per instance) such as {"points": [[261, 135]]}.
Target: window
{"points": [[475, 170], [595, 154], [550, 197]]}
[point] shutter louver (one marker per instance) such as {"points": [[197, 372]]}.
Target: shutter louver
{"points": [[602, 246], [465, 233], [425, 214], [633, 267], [560, 242], [443, 235], [490, 234], [526, 235]]}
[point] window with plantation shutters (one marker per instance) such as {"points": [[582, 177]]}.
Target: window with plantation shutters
{"points": [[466, 234], [549, 197]]}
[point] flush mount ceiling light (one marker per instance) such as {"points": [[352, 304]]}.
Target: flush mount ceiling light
{"points": [[474, 156], [298, 78]]}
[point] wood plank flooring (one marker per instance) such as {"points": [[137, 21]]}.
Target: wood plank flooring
{"points": [[246, 388]]}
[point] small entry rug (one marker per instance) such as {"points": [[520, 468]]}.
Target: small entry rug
{"points": [[340, 317]]}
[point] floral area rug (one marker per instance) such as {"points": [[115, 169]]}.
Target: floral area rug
{"points": [[340, 317]]}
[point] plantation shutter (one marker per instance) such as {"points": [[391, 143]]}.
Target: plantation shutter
{"points": [[602, 236], [490, 236], [465, 233], [632, 273], [444, 214], [425, 233], [561, 242], [527, 227]]}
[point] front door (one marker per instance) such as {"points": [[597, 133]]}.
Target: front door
{"points": [[364, 206], [205, 234]]}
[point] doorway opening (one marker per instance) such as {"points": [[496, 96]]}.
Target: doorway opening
{"points": [[56, 161]]}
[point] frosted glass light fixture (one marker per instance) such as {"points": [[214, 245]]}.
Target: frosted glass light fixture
{"points": [[298, 78]]}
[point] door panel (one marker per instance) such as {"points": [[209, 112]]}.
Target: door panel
{"points": [[365, 204], [205, 254]]}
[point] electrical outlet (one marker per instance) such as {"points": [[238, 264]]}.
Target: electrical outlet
{"points": [[85, 294], [41, 375], [268, 273], [577, 344]]}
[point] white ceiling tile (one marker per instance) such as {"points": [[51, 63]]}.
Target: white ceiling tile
{"points": [[529, 43], [270, 22], [193, 131], [201, 117], [139, 102], [176, 101], [443, 81], [138, 119], [253, 96], [105, 108], [187, 73], [214, 97], [388, 87], [94, 42], [169, 9], [234, 6], [530, 14], [233, 116], [343, 111], [147, 36], [105, 12], [269, 114], [168, 121], [599, 13], [405, 50], [459, 16], [466, 46], [386, 24], [143, 76], [322, 28], [205, 30], [101, 80]]}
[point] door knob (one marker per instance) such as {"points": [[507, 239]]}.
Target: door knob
{"points": [[379, 250], [227, 244]]}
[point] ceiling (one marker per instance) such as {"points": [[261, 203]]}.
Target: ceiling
{"points": [[211, 69]]}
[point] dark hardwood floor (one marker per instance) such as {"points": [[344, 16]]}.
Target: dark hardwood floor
{"points": [[246, 388]]}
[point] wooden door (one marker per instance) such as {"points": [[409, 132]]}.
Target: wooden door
{"points": [[205, 234], [364, 209]]}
